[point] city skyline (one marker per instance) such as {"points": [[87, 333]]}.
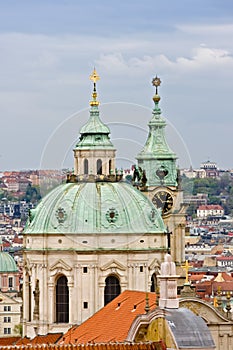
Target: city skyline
{"points": [[49, 49]]}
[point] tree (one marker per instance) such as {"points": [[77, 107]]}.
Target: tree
{"points": [[32, 194]]}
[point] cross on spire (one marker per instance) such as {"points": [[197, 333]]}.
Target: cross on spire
{"points": [[186, 268]]}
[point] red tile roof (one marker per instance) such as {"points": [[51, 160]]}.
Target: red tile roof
{"points": [[111, 346], [23, 341], [224, 258], [50, 338], [5, 341], [210, 207], [112, 322]]}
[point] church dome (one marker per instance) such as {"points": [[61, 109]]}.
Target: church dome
{"points": [[95, 207], [7, 263]]}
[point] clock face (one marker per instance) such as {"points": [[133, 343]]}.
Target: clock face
{"points": [[163, 200]]}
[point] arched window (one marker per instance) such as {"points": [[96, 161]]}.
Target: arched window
{"points": [[112, 289], [85, 166], [62, 300], [99, 167], [153, 283], [110, 166]]}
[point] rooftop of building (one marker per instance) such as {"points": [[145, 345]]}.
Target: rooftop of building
{"points": [[112, 322]]}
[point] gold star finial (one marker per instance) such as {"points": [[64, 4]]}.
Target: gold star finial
{"points": [[156, 82], [94, 76]]}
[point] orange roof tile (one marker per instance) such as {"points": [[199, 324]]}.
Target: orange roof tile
{"points": [[196, 277], [111, 346], [4, 341], [112, 322], [50, 338], [210, 207], [23, 341]]}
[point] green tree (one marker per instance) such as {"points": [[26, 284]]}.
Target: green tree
{"points": [[32, 194]]}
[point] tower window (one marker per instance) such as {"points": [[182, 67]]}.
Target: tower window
{"points": [[141, 268], [62, 300], [85, 166], [85, 269], [110, 166], [10, 282], [85, 305], [99, 167], [112, 289]]}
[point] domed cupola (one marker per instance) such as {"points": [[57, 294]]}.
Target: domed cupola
{"points": [[7, 263], [94, 153]]}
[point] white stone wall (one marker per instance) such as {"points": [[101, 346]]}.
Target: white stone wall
{"points": [[126, 257]]}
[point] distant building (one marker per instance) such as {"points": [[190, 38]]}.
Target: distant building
{"points": [[210, 169], [10, 303], [9, 274], [10, 314], [198, 199], [205, 211]]}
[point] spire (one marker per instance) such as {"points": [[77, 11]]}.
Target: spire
{"points": [[94, 152], [156, 154], [94, 77]]}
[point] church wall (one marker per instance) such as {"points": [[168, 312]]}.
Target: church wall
{"points": [[86, 270]]}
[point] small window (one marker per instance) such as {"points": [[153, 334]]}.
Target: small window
{"points": [[7, 330], [85, 305], [99, 167], [141, 268], [7, 308], [7, 319], [10, 282], [85, 269], [86, 166]]}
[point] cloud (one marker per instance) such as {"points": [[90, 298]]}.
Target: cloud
{"points": [[45, 78]]}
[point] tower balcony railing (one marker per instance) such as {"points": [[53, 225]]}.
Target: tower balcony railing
{"points": [[72, 178]]}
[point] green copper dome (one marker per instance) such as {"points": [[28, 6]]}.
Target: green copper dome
{"points": [[7, 263], [94, 125], [95, 207]]}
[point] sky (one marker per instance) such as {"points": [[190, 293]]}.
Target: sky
{"points": [[48, 49]]}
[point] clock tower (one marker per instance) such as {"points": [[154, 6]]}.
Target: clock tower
{"points": [[158, 163]]}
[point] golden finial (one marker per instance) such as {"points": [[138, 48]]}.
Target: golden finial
{"points": [[156, 82], [94, 77]]}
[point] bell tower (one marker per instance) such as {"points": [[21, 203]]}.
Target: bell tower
{"points": [[94, 153], [158, 163]]}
